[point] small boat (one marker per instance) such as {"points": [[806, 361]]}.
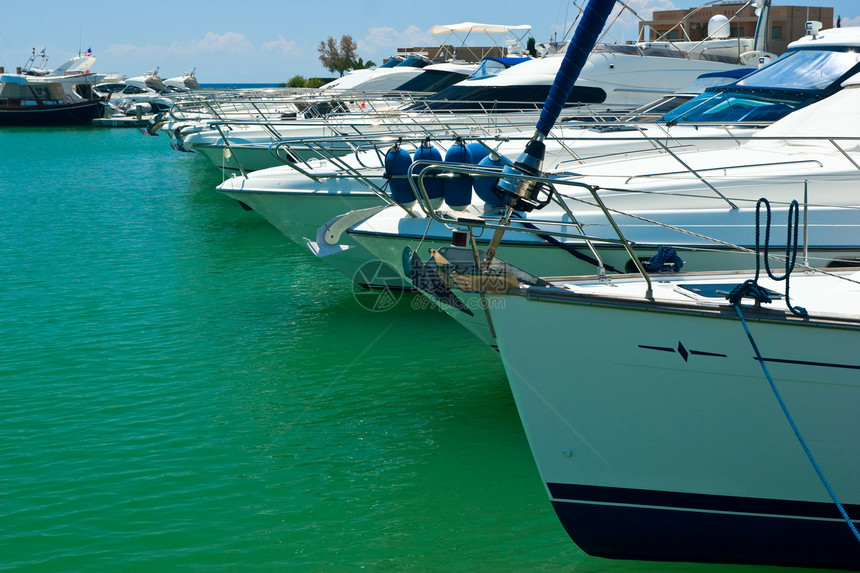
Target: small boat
{"points": [[183, 83], [144, 93]]}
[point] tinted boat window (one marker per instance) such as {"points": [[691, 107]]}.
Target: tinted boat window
{"points": [[737, 106], [413, 62], [803, 70], [431, 81], [391, 63]]}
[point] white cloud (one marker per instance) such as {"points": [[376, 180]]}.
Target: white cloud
{"points": [[850, 21], [212, 42], [282, 46], [387, 40], [131, 49]]}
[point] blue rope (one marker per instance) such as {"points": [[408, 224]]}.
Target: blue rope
{"points": [[750, 288], [795, 428], [664, 260], [790, 249]]}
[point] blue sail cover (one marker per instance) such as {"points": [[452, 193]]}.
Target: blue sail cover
{"points": [[593, 19]]}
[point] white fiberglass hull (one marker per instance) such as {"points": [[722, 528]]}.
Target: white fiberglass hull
{"points": [[298, 212], [658, 436]]}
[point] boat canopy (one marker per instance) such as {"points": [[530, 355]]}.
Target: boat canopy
{"points": [[472, 27], [499, 34]]}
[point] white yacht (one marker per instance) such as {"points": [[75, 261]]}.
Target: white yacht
{"points": [[145, 90], [243, 144], [613, 76], [184, 82], [362, 96], [63, 96], [670, 424], [373, 105], [703, 204], [766, 93]]}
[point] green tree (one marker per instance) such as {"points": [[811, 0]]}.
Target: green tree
{"points": [[338, 56], [296, 82], [530, 48], [317, 82]]}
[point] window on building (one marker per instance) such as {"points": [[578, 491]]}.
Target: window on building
{"points": [[776, 33], [673, 34]]}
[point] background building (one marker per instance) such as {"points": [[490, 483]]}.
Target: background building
{"points": [[787, 23]]}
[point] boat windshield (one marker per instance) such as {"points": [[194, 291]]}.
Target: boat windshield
{"points": [[413, 61], [730, 106], [492, 66], [392, 62], [803, 70], [431, 81], [798, 78]]}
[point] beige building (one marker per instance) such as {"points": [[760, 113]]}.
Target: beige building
{"points": [[787, 23]]}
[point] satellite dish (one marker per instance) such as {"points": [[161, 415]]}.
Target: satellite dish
{"points": [[718, 27]]}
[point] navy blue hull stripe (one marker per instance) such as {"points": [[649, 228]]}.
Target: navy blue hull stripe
{"points": [[809, 363], [704, 502], [659, 534]]}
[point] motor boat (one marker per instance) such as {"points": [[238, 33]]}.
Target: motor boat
{"points": [[701, 204], [144, 93], [359, 100], [41, 97], [517, 88], [182, 83]]}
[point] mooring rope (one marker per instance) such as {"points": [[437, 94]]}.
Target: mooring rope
{"points": [[751, 288], [795, 428]]}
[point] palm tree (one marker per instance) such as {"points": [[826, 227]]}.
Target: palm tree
{"points": [[360, 64]]}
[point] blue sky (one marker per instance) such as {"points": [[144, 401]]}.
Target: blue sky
{"points": [[271, 41]]}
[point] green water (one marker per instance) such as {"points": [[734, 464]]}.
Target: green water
{"points": [[183, 389]]}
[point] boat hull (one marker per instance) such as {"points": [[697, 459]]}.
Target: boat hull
{"points": [[297, 213], [603, 527], [51, 116], [659, 438], [253, 158]]}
